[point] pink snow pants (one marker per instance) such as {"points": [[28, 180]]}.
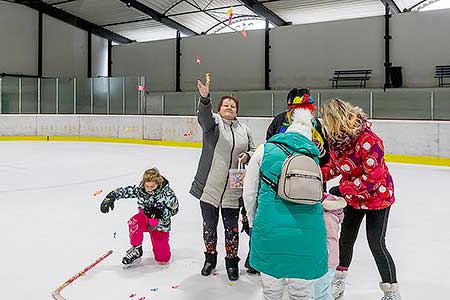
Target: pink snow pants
{"points": [[139, 224]]}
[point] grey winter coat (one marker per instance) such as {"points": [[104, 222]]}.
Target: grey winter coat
{"points": [[223, 141]]}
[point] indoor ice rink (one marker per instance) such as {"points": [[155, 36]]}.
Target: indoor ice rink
{"points": [[53, 228], [95, 92]]}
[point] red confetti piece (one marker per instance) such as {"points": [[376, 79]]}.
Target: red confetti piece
{"points": [[142, 298], [189, 133], [198, 61], [175, 286], [132, 295]]}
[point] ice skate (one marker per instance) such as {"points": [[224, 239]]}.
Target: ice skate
{"points": [[132, 258], [338, 285], [391, 291]]}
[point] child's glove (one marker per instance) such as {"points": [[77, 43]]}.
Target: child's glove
{"points": [[153, 212], [107, 203]]}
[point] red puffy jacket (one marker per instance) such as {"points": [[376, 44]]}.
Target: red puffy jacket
{"points": [[366, 182]]}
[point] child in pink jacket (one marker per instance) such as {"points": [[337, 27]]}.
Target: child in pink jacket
{"points": [[334, 215]]}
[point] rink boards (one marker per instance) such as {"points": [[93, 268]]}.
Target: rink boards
{"points": [[408, 140]]}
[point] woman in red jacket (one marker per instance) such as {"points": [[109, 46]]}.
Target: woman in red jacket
{"points": [[357, 154]]}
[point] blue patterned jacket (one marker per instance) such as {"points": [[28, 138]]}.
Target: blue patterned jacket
{"points": [[162, 201]]}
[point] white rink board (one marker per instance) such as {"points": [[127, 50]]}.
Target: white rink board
{"points": [[444, 139], [408, 137], [101, 126], [421, 138], [185, 129], [54, 125], [18, 125], [131, 127], [152, 128], [258, 127]]}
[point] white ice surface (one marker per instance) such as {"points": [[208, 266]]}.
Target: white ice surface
{"points": [[51, 228]]}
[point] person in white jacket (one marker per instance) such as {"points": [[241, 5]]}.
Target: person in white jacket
{"points": [[275, 277]]}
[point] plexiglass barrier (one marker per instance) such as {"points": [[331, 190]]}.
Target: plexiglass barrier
{"points": [[128, 96], [102, 95]]}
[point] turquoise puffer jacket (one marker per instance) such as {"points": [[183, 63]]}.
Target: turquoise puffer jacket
{"points": [[288, 240]]}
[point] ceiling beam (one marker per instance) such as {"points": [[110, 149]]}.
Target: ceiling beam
{"points": [[392, 5], [74, 20], [157, 16], [261, 10]]}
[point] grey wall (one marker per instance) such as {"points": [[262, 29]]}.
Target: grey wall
{"points": [[154, 60], [420, 42], [64, 49], [99, 56], [18, 36], [64, 46], [307, 55], [234, 63], [303, 55]]}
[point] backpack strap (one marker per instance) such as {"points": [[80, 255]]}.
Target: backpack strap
{"points": [[269, 182], [283, 148], [286, 151], [266, 179]]}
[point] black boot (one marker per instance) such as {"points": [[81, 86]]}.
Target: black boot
{"points": [[210, 263], [232, 267], [250, 270]]}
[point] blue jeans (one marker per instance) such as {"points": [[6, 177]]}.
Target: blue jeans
{"points": [[322, 286]]}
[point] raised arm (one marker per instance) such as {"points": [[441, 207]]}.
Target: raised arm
{"points": [[204, 113]]}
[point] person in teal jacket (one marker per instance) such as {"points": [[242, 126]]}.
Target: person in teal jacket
{"points": [[289, 240]]}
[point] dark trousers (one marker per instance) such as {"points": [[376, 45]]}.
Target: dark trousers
{"points": [[376, 224], [230, 218]]}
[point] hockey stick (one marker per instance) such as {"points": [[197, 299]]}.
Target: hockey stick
{"points": [[56, 293]]}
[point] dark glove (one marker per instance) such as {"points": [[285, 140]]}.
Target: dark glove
{"points": [[107, 203], [335, 191], [245, 225], [153, 212]]}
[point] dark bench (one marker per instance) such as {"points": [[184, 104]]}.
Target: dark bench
{"points": [[358, 76], [442, 72]]}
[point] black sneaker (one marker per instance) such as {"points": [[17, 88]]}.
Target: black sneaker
{"points": [[133, 256], [250, 270]]}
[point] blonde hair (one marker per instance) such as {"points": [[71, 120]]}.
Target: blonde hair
{"points": [[341, 119], [152, 175]]}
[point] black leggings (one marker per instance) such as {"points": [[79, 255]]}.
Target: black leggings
{"points": [[376, 224], [230, 218]]}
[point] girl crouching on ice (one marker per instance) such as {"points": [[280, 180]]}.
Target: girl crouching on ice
{"points": [[157, 204]]}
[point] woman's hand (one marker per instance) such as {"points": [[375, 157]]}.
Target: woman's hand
{"points": [[203, 89], [244, 158]]}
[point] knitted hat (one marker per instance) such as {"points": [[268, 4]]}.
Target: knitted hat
{"points": [[301, 122], [298, 97]]}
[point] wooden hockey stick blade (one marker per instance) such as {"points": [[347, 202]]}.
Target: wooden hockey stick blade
{"points": [[56, 293]]}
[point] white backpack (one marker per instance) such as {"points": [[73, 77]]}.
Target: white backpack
{"points": [[300, 180]]}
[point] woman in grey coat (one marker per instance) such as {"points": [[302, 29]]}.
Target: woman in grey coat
{"points": [[225, 142]]}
